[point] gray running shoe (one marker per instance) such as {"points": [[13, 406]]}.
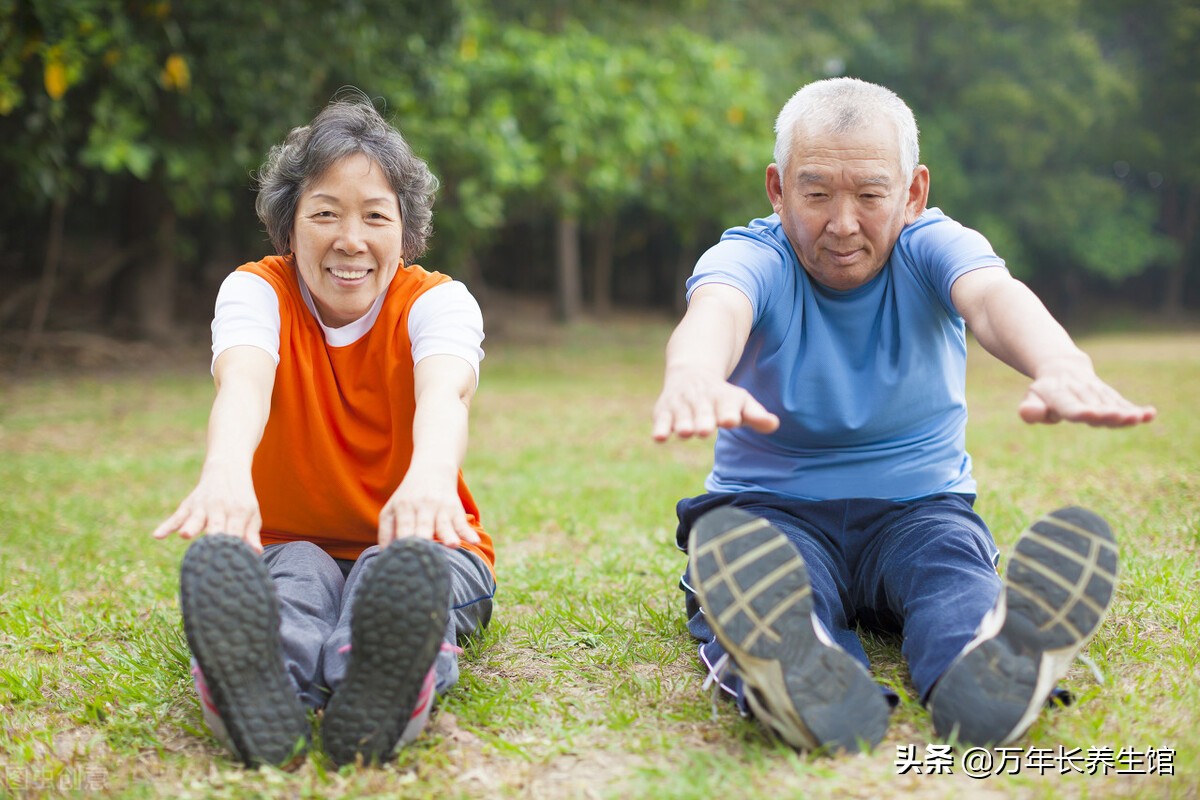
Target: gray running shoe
{"points": [[396, 627], [753, 587], [231, 619], [1057, 590]]}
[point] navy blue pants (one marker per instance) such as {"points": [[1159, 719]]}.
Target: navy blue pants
{"points": [[925, 569]]}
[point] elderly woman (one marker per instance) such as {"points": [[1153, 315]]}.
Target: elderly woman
{"points": [[353, 560]]}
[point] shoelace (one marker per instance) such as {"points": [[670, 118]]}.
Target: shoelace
{"points": [[715, 673], [1086, 659]]}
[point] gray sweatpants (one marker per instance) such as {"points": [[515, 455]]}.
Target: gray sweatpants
{"points": [[316, 594]]}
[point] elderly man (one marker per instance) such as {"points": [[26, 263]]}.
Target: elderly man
{"points": [[826, 342]]}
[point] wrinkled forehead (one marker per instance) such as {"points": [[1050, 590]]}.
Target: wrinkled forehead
{"points": [[356, 173], [871, 138]]}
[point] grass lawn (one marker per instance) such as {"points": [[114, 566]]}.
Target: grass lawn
{"points": [[586, 684]]}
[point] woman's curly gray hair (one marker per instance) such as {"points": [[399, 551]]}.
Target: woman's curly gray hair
{"points": [[347, 126]]}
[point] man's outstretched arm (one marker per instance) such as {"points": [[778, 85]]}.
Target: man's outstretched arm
{"points": [[697, 398], [1011, 323]]}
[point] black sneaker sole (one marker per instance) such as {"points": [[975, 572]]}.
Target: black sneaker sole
{"points": [[1057, 590], [397, 623], [231, 619], [754, 589]]}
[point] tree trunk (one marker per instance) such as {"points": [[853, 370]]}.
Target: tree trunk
{"points": [[141, 297], [1181, 215], [472, 277], [157, 280], [684, 265], [45, 293], [606, 238], [1072, 291], [569, 299], [1172, 300]]}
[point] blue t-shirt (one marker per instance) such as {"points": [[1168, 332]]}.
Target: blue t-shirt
{"points": [[869, 384]]}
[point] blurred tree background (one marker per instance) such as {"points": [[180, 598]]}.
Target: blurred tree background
{"points": [[588, 152]]}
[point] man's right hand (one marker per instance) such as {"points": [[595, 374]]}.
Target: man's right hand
{"points": [[694, 403], [697, 398]]}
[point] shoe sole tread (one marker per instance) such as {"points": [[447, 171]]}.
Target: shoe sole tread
{"points": [[1058, 588], [231, 621], [754, 588], [399, 617]]}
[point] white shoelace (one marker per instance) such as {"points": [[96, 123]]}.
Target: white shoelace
{"points": [[1086, 659], [715, 673]]}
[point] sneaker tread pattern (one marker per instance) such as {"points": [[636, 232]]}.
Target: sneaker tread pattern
{"points": [[1058, 588], [754, 588], [399, 617], [231, 620]]}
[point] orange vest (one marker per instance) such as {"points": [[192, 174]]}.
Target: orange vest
{"points": [[339, 437]]}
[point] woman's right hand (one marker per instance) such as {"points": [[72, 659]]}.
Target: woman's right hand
{"points": [[224, 500], [218, 504]]}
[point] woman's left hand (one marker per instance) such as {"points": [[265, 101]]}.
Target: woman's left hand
{"points": [[426, 507]]}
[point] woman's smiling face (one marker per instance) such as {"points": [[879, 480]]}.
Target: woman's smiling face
{"points": [[347, 238]]}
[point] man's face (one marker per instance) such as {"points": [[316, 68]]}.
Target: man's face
{"points": [[844, 201]]}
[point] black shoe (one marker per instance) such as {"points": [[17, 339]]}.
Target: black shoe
{"points": [[231, 618], [396, 627], [1057, 590], [753, 587]]}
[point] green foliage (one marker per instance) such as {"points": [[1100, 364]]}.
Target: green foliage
{"points": [[180, 93], [1115, 231], [1065, 131], [714, 132], [516, 118], [1021, 147], [462, 115]]}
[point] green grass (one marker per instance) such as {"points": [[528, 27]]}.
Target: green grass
{"points": [[586, 684]]}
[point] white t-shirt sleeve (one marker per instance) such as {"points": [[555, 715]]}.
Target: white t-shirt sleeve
{"points": [[446, 320], [247, 312]]}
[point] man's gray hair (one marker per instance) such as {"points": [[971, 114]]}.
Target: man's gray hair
{"points": [[840, 105], [349, 125]]}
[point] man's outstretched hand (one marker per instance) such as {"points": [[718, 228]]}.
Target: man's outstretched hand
{"points": [[696, 404], [1078, 395]]}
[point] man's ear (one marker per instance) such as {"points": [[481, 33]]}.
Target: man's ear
{"points": [[775, 187], [918, 194]]}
